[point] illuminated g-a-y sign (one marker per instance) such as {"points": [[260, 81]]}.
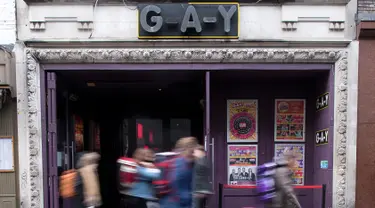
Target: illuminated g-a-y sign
{"points": [[188, 21]]}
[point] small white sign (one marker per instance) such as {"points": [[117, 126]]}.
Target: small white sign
{"points": [[6, 154]]}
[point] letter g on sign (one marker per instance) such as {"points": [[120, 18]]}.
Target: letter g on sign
{"points": [[158, 20]]}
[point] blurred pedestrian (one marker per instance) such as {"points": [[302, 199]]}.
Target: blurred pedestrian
{"points": [[181, 176], [142, 190], [88, 181], [285, 195], [201, 185]]}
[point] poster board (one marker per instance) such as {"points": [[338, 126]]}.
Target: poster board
{"points": [[290, 120], [6, 154], [242, 164], [298, 176], [242, 121]]}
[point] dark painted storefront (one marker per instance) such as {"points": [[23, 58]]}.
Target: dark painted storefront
{"points": [[222, 82], [308, 82]]}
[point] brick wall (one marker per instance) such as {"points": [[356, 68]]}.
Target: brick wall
{"points": [[7, 21]]}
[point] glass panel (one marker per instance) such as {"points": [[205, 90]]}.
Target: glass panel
{"points": [[149, 133], [179, 127]]}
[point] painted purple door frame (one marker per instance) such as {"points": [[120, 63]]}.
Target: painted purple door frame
{"points": [[51, 183], [186, 66], [52, 140]]}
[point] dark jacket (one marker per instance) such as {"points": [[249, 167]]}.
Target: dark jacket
{"points": [[201, 180]]}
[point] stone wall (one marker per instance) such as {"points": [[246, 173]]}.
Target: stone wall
{"points": [[7, 22]]}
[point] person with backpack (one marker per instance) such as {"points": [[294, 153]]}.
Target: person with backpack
{"points": [[81, 185], [142, 190], [275, 185], [201, 185], [181, 176]]}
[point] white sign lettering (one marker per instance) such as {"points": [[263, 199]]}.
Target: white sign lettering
{"points": [[321, 137]]}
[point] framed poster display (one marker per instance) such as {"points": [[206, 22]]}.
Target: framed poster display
{"points": [[242, 121], [242, 164], [290, 116], [6, 154], [298, 176]]}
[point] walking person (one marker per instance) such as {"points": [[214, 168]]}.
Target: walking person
{"points": [[142, 190], [88, 181], [285, 195], [201, 185], [181, 178]]}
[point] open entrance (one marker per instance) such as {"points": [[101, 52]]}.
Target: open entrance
{"points": [[114, 112], [256, 115]]}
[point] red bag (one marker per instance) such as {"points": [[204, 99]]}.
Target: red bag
{"points": [[162, 185], [127, 170], [165, 164]]}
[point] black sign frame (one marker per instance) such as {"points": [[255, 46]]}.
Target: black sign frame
{"points": [[320, 99], [232, 34], [319, 135]]}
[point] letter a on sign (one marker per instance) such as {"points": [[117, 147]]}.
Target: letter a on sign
{"points": [[186, 23]]}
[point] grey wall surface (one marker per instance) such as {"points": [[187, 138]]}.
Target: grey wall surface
{"points": [[8, 181]]}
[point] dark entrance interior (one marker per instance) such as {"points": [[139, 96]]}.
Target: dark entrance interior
{"points": [[114, 112]]}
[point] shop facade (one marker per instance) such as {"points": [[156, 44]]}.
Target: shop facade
{"points": [[325, 138]]}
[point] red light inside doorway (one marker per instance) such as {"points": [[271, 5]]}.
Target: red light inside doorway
{"points": [[151, 136], [146, 147], [139, 131]]}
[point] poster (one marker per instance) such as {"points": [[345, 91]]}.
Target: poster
{"points": [[289, 120], [299, 169], [242, 117], [242, 164], [78, 133]]}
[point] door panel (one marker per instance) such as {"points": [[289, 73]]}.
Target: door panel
{"points": [[208, 140], [52, 140]]}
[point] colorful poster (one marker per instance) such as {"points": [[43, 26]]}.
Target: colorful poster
{"points": [[242, 117], [78, 133], [299, 168], [242, 164], [290, 120]]}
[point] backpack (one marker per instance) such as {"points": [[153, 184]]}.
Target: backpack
{"points": [[165, 164], [68, 181], [266, 184], [127, 171]]}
